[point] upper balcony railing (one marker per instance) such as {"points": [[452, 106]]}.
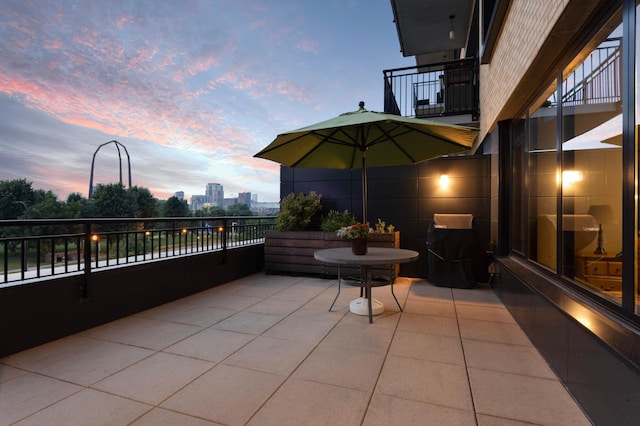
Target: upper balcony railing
{"points": [[38, 248], [597, 80], [442, 89]]}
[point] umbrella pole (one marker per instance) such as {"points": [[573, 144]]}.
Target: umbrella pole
{"points": [[364, 188]]}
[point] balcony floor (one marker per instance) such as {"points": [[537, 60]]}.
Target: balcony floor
{"points": [[264, 350]]}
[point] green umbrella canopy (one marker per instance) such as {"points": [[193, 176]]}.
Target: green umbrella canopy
{"points": [[362, 139], [385, 140]]}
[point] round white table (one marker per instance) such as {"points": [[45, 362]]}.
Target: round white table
{"points": [[374, 256]]}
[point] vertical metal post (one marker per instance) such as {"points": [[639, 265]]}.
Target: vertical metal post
{"points": [[84, 289], [630, 159], [25, 244], [224, 240]]}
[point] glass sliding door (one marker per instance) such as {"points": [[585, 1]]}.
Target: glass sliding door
{"points": [[542, 129], [591, 178], [636, 233]]}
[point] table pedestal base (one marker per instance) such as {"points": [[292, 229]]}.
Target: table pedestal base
{"points": [[360, 306]]}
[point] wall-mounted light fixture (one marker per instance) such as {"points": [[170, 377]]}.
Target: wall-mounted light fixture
{"points": [[569, 177], [452, 34], [444, 181]]}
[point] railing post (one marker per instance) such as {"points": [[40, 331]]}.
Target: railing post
{"points": [[173, 238], [225, 230], [84, 288], [5, 261], [24, 252]]}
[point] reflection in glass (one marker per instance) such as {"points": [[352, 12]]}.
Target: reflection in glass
{"points": [[637, 146], [543, 181], [592, 169]]}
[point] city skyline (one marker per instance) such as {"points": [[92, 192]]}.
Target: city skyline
{"points": [[192, 89]]}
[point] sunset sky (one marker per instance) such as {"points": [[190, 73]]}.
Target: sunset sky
{"points": [[191, 88]]}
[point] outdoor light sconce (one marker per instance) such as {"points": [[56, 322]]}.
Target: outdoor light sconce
{"points": [[444, 181], [452, 34], [570, 177]]}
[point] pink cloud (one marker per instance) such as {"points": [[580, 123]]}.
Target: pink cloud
{"points": [[53, 44], [291, 90], [116, 117], [123, 21], [142, 59], [203, 64]]}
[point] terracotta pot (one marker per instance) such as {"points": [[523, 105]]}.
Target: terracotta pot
{"points": [[359, 246]]}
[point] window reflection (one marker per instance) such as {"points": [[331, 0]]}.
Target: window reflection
{"points": [[637, 122], [592, 170], [543, 180]]}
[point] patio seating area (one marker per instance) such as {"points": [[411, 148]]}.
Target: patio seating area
{"points": [[265, 350]]}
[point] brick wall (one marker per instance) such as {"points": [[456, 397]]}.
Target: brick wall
{"points": [[527, 26]]}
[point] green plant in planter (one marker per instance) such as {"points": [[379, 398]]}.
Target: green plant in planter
{"points": [[336, 220], [381, 227], [297, 211]]}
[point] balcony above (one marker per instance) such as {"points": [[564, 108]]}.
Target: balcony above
{"points": [[436, 30], [445, 92]]}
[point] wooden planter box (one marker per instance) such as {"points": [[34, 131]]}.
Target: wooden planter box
{"points": [[292, 251]]}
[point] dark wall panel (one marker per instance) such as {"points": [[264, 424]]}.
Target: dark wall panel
{"points": [[605, 385], [405, 196], [55, 308]]}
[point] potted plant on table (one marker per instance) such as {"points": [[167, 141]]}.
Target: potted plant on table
{"points": [[358, 233]]}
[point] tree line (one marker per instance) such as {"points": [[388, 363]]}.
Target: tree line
{"points": [[18, 200]]}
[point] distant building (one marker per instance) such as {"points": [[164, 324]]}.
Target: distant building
{"points": [[215, 194], [179, 194], [244, 198], [266, 209], [198, 202], [229, 202], [214, 197]]}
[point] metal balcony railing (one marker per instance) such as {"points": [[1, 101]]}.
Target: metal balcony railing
{"points": [[39, 248], [442, 89], [598, 79]]}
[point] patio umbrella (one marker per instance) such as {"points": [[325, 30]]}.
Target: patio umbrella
{"points": [[362, 139]]}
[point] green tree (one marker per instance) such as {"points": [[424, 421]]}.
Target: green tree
{"points": [[141, 202], [47, 206], [175, 207], [239, 210], [210, 211], [110, 200], [76, 205], [12, 194]]}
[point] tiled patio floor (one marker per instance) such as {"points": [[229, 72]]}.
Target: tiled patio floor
{"points": [[264, 350]]}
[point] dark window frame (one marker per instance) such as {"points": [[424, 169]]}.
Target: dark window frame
{"points": [[631, 162]]}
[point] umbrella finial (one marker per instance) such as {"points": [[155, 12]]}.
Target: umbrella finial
{"points": [[361, 105]]}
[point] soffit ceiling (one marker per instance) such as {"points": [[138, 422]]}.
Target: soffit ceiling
{"points": [[423, 27]]}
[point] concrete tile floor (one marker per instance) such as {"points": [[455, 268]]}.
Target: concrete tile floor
{"points": [[265, 350]]}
